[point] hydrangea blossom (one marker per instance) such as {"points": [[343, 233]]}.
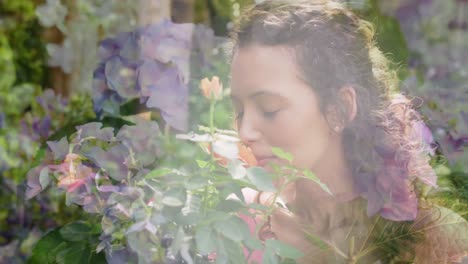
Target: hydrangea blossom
{"points": [[123, 179], [151, 64], [389, 186]]}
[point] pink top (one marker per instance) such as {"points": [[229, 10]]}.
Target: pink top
{"points": [[257, 255]]}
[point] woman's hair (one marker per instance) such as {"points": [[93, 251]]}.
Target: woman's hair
{"points": [[333, 48]]}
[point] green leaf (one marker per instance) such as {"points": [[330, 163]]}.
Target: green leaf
{"points": [[77, 231], [178, 240], [316, 240], [269, 257], [172, 201], [80, 253], [189, 219], [157, 173], [77, 253], [202, 164], [282, 154], [221, 254], [229, 205], [283, 250], [233, 188], [261, 179], [288, 261], [205, 240], [233, 228], [442, 170], [253, 243], [234, 251], [174, 197], [46, 248], [259, 207], [311, 176], [196, 183]]}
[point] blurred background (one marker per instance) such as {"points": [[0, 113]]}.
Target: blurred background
{"points": [[50, 49]]}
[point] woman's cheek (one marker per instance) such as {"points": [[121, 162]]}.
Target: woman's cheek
{"points": [[307, 141], [285, 134], [280, 132]]}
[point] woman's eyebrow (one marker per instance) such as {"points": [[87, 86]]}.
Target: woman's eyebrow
{"points": [[257, 94], [262, 93], [267, 95]]}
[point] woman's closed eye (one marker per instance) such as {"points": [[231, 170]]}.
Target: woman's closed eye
{"points": [[270, 114], [269, 105], [265, 105], [265, 114]]}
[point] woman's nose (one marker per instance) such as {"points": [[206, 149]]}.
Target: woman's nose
{"points": [[248, 130]]}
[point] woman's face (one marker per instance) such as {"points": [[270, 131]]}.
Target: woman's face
{"points": [[275, 108]]}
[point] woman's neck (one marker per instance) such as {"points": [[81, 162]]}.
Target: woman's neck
{"points": [[334, 172]]}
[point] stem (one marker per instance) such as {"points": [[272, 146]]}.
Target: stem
{"points": [[212, 131], [369, 234], [212, 107], [271, 208], [205, 201]]}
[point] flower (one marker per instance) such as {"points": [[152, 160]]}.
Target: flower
{"points": [[77, 178], [52, 13], [73, 174], [213, 88], [244, 154], [154, 65], [223, 147], [151, 64]]}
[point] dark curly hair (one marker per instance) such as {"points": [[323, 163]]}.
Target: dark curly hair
{"points": [[387, 143]]}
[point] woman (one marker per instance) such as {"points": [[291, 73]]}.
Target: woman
{"points": [[307, 78]]}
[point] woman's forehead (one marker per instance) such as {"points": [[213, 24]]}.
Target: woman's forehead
{"points": [[261, 57], [268, 69]]}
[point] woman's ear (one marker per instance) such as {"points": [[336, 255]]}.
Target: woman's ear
{"points": [[343, 110], [347, 96]]}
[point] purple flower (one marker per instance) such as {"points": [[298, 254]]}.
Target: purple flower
{"points": [[51, 102], [151, 63], [422, 133], [59, 148], [166, 90], [121, 77], [113, 161], [108, 48], [95, 129], [141, 139], [391, 195], [42, 127], [33, 182], [166, 43]]}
